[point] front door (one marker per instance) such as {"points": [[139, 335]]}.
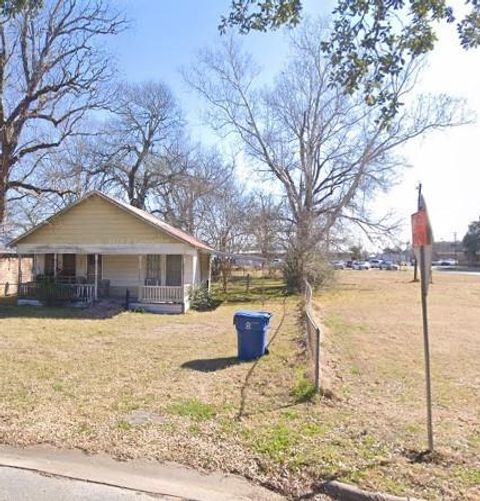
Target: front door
{"points": [[174, 270]]}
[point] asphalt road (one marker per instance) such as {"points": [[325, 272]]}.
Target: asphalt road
{"points": [[23, 485], [41, 473]]}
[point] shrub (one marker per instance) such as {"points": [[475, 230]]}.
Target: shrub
{"points": [[313, 267], [202, 300], [303, 390], [318, 271]]}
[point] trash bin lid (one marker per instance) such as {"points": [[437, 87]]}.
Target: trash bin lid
{"points": [[253, 315]]}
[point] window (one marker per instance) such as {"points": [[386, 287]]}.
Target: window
{"points": [[154, 270]]}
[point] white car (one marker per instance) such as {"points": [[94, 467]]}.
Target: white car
{"points": [[361, 265]]}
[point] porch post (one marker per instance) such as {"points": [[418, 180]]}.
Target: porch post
{"points": [[209, 272], [96, 278], [163, 269], [19, 278], [55, 264], [139, 277]]}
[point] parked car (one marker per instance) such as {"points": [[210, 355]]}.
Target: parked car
{"points": [[447, 262], [389, 265], [338, 265], [361, 265], [349, 264], [375, 263]]}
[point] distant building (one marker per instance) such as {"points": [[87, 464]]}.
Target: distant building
{"points": [[449, 250]]}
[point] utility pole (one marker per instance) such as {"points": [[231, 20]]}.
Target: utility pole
{"points": [[455, 246]]}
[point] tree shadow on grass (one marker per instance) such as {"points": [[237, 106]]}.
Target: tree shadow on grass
{"points": [[211, 364], [243, 390]]}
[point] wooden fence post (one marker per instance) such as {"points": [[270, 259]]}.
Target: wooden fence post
{"points": [[317, 359]]}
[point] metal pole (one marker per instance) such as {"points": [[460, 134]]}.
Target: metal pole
{"points": [[426, 343], [426, 348]]}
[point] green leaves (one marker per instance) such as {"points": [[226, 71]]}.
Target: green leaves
{"points": [[371, 42], [261, 15]]}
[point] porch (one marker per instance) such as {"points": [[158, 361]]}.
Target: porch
{"points": [[139, 280]]}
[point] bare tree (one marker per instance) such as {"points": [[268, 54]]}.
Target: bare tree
{"points": [[330, 152], [52, 71], [142, 144], [225, 226], [266, 224], [186, 202]]}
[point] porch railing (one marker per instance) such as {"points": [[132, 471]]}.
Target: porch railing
{"points": [[59, 291], [163, 294]]}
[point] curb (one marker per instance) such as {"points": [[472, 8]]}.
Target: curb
{"points": [[347, 492], [170, 480]]}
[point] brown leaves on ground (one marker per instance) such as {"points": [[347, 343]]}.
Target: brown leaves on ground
{"points": [[171, 388]]}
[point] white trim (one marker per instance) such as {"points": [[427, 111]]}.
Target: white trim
{"points": [[163, 269], [134, 249], [96, 277]]}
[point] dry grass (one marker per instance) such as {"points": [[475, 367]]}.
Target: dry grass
{"points": [[170, 388], [375, 338], [143, 385]]}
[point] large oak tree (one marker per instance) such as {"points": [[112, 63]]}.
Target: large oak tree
{"points": [[329, 151], [52, 72]]}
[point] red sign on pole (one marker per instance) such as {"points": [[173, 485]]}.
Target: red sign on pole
{"points": [[420, 234]]}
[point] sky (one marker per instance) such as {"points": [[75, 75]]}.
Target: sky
{"points": [[165, 35]]}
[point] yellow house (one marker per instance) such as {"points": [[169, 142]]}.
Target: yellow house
{"points": [[102, 247]]}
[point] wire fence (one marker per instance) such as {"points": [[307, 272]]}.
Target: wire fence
{"points": [[312, 331]]}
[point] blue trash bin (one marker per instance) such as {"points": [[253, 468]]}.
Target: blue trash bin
{"points": [[252, 327]]}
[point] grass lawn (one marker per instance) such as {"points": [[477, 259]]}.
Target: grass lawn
{"points": [[151, 386], [170, 388], [375, 347]]}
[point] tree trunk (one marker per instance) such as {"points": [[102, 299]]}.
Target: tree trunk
{"points": [[4, 173], [300, 253], [3, 196]]}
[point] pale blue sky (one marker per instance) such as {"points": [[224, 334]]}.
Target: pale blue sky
{"points": [[166, 34]]}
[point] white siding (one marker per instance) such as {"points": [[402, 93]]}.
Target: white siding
{"points": [[122, 270], [188, 270], [198, 275], [81, 265]]}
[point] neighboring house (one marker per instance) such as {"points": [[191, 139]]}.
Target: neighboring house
{"points": [[9, 271], [102, 247]]}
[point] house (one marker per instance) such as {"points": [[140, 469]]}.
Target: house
{"points": [[9, 271], [102, 247]]}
